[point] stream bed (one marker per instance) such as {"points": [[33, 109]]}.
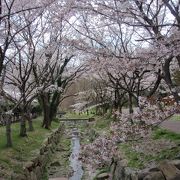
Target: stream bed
{"points": [[75, 163], [65, 162]]}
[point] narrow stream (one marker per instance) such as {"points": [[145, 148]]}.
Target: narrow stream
{"points": [[74, 158]]}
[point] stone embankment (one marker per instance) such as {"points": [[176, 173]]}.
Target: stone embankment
{"points": [[36, 168], [166, 170]]}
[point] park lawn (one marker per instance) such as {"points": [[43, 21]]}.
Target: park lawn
{"points": [[175, 117], [80, 116], [24, 149], [166, 134], [141, 159], [100, 123]]}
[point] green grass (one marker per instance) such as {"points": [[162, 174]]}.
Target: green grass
{"points": [[23, 149], [100, 171], [133, 157], [139, 160], [62, 155], [166, 134], [81, 116], [102, 123], [91, 131], [175, 117]]}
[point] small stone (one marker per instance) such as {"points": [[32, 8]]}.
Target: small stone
{"points": [[56, 163], [17, 176], [130, 174], [154, 176], [176, 163], [29, 166], [35, 161], [33, 176], [124, 163], [91, 119], [169, 170], [142, 174], [152, 169], [134, 177], [38, 172], [102, 176], [42, 150]]}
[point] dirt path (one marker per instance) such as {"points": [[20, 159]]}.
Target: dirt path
{"points": [[171, 125]]}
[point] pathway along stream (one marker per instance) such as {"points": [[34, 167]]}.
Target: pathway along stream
{"points": [[74, 158]]}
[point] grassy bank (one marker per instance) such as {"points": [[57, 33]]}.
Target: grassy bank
{"points": [[80, 116], [24, 149], [91, 130], [176, 117], [59, 165], [162, 144]]}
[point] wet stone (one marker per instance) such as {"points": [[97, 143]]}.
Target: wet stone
{"points": [[102, 176], [169, 171], [56, 163], [154, 176]]}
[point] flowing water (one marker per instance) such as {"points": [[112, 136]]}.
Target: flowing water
{"points": [[75, 163], [56, 169]]}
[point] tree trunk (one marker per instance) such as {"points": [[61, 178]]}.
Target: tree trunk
{"points": [[87, 112], [178, 59], [46, 112], [8, 132], [106, 109], [110, 110], [44, 101], [130, 107], [30, 123], [46, 120], [130, 104], [120, 109], [54, 105], [1, 60], [23, 132], [167, 78], [50, 106], [96, 110], [53, 112]]}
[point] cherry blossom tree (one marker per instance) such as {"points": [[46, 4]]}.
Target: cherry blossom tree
{"points": [[11, 24], [19, 72], [142, 67], [16, 57], [57, 64], [116, 59], [38, 61], [152, 25], [158, 34]]}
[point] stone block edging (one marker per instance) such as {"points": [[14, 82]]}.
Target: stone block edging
{"points": [[34, 169], [166, 170]]}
